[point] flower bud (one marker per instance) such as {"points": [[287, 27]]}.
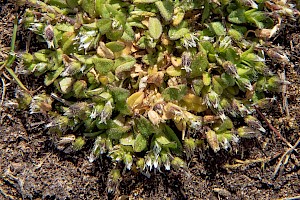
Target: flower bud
{"points": [[23, 99], [140, 163], [212, 140], [178, 163], [128, 160], [230, 68], [41, 104], [113, 180], [78, 143], [79, 88], [49, 36], [247, 132], [254, 123], [190, 146], [106, 112], [66, 84]]}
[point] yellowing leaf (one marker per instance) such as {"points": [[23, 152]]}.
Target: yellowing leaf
{"points": [[193, 103], [135, 99]]}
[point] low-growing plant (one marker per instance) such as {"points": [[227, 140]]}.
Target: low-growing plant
{"points": [[148, 80]]}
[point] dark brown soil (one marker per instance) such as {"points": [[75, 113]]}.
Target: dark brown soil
{"points": [[31, 167]]}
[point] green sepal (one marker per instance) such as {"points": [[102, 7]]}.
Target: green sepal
{"points": [[52, 76]]}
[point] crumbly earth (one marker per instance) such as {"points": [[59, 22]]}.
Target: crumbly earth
{"points": [[32, 167]]}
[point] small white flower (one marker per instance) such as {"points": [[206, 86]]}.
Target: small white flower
{"points": [[93, 114], [235, 139], [225, 42], [212, 99], [225, 143], [155, 163], [143, 83], [222, 116], [187, 69], [149, 162], [207, 38], [85, 39], [167, 165], [190, 40], [106, 112], [156, 149]]}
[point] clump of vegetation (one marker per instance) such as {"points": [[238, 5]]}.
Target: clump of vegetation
{"points": [[149, 81]]}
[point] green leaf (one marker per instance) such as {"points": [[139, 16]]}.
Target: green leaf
{"points": [[256, 17], [89, 7], [128, 34], [104, 25], [58, 3], [144, 1], [218, 84], [115, 46], [39, 56], [123, 64], [199, 64], [64, 27], [166, 9], [164, 141], [217, 28], [103, 65], [120, 96], [79, 87], [176, 33], [115, 34], [140, 143], [127, 140], [72, 3], [155, 28], [237, 16], [174, 92], [144, 126], [173, 137], [117, 133]]}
